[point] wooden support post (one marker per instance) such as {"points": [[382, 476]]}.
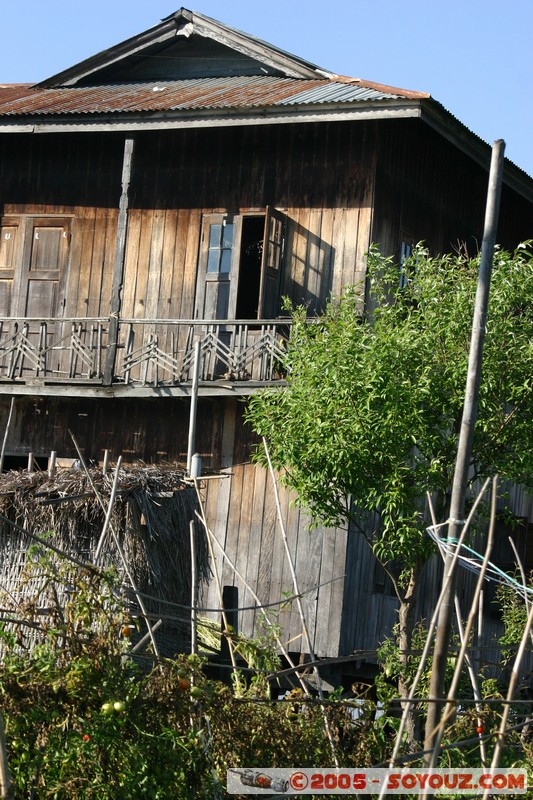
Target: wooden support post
{"points": [[118, 268], [105, 466], [194, 406], [52, 464], [30, 462]]}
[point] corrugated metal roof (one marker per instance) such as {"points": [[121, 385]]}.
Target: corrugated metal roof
{"points": [[195, 94]]}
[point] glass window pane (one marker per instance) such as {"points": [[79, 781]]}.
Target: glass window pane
{"points": [[225, 261], [212, 260], [227, 237], [214, 235], [222, 301]]}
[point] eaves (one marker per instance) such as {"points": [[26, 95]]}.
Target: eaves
{"points": [[170, 119]]}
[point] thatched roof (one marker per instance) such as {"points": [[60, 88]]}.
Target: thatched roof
{"points": [[150, 519]]}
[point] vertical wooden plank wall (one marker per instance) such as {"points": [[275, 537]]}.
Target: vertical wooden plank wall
{"points": [[242, 515]]}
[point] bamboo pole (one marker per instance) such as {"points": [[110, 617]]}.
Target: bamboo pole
{"points": [[6, 433], [464, 447]]}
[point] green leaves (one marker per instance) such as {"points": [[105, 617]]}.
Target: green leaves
{"points": [[373, 405]]}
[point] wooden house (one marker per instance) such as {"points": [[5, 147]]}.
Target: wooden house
{"points": [[170, 191]]}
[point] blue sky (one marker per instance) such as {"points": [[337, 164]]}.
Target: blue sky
{"points": [[473, 56]]}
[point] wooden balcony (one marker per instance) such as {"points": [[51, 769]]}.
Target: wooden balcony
{"points": [[74, 356]]}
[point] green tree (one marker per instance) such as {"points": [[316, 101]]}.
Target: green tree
{"points": [[370, 415]]}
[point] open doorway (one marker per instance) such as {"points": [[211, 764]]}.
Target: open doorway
{"points": [[251, 256]]}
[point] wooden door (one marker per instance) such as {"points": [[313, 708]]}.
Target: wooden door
{"points": [[39, 288], [46, 248], [9, 239], [218, 272], [271, 266]]}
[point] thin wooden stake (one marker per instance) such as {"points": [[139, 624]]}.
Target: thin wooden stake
{"points": [[109, 511], [6, 786], [105, 466], [194, 633], [194, 407], [30, 462], [6, 433]]}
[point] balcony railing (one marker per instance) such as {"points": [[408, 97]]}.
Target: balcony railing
{"points": [[148, 352]]}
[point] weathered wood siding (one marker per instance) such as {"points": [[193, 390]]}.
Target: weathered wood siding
{"points": [[148, 430], [242, 515], [426, 189], [322, 179]]}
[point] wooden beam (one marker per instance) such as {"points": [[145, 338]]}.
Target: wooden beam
{"points": [[118, 268]]}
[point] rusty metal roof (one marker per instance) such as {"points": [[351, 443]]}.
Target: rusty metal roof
{"points": [[193, 94]]}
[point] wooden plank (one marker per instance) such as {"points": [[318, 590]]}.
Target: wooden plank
{"points": [[339, 227], [327, 257], [247, 502], [224, 490], [324, 612], [269, 534], [191, 264], [155, 265], [106, 273], [81, 245], [143, 264], [312, 577], [338, 589], [97, 265], [233, 524], [167, 271], [255, 531], [350, 247], [131, 261], [314, 257], [278, 559], [298, 253], [293, 626]]}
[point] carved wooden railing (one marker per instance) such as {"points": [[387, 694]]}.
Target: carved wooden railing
{"points": [[148, 353]]}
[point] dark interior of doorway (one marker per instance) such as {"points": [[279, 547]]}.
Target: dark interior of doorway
{"points": [[253, 229]]}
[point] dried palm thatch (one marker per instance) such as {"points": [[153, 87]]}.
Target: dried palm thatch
{"points": [[150, 520]]}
